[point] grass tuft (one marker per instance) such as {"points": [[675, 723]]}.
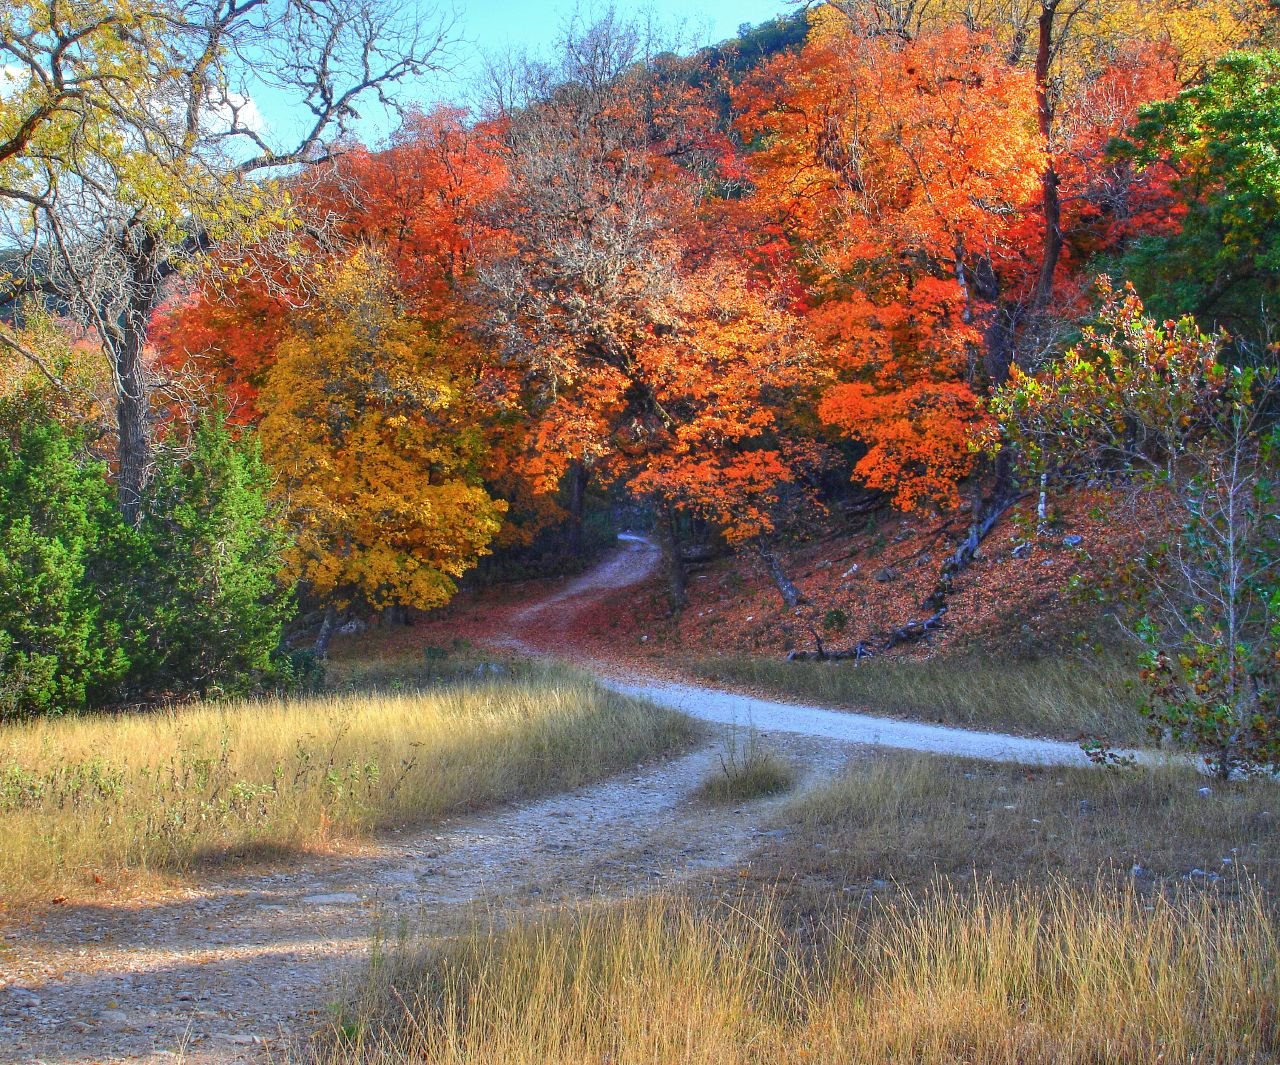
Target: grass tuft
{"points": [[747, 770], [104, 798]]}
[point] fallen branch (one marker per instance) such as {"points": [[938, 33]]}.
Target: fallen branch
{"points": [[908, 633], [937, 601], [965, 553]]}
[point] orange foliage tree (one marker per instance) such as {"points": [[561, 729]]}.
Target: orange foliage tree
{"points": [[644, 355], [903, 170], [418, 202]]}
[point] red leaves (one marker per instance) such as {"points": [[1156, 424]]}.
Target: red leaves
{"points": [[903, 169]]}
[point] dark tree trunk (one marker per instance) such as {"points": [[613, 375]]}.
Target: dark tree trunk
{"points": [[675, 562], [325, 634], [133, 446], [1051, 207], [786, 588], [125, 340], [577, 484], [999, 341]]}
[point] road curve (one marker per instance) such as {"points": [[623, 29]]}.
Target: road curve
{"points": [[729, 708], [635, 561]]}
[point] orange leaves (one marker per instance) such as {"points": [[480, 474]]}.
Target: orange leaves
{"points": [[720, 376], [917, 436], [229, 340], [420, 201], [870, 144], [1108, 201], [903, 169]]}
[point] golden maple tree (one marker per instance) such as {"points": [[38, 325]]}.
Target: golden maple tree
{"points": [[368, 423]]}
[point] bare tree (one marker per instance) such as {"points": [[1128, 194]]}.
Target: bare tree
{"points": [[602, 161], [133, 149]]}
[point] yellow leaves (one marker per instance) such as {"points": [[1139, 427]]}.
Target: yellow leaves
{"points": [[1199, 32], [95, 108], [382, 466]]}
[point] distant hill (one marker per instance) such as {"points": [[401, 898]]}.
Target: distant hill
{"points": [[757, 44]]}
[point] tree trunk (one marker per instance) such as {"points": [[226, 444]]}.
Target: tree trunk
{"points": [[125, 338], [999, 342], [675, 563], [133, 446], [786, 588], [577, 478], [985, 519], [1051, 206], [325, 634]]}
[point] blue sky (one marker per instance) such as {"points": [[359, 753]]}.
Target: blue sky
{"points": [[494, 24], [498, 26]]}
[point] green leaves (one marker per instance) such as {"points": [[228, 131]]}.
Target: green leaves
{"points": [[93, 611], [215, 599], [1130, 395], [1221, 140], [59, 649]]}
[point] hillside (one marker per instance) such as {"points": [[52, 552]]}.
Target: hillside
{"points": [[862, 583]]}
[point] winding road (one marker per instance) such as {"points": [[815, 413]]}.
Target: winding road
{"points": [[235, 970], [535, 627]]}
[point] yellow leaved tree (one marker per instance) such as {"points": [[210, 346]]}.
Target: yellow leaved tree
{"points": [[131, 148], [371, 425]]}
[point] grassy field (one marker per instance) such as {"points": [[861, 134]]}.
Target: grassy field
{"points": [[916, 910], [104, 798], [1064, 697], [909, 819]]}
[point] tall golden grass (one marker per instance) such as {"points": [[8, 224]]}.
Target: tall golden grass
{"points": [[987, 977], [98, 797], [907, 818], [1062, 696]]}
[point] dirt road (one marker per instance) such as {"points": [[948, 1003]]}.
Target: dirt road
{"points": [[231, 971], [544, 624]]}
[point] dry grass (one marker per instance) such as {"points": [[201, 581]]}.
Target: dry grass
{"points": [[1065, 697], [104, 797], [909, 818], [1053, 975], [747, 770], [929, 911]]}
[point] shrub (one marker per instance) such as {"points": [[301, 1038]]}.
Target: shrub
{"points": [[215, 603], [93, 611], [60, 542]]}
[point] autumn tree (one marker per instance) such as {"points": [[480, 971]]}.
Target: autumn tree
{"points": [[1066, 46], [1189, 446], [368, 423], [645, 356], [1134, 393], [903, 170], [131, 149]]}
